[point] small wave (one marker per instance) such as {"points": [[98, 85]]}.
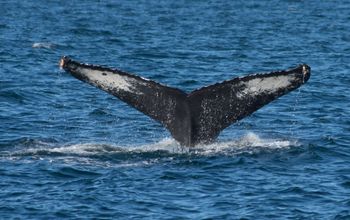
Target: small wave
{"points": [[43, 45]]}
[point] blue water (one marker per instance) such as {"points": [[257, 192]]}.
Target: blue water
{"points": [[69, 150]]}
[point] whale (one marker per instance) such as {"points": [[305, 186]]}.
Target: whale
{"points": [[197, 117]]}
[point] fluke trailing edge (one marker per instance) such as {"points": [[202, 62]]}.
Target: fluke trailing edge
{"points": [[197, 117]]}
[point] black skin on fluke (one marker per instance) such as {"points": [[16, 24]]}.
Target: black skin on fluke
{"points": [[197, 117]]}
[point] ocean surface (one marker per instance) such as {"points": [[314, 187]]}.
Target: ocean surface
{"points": [[69, 150]]}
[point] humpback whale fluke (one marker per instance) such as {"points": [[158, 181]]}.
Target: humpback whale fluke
{"points": [[197, 117]]}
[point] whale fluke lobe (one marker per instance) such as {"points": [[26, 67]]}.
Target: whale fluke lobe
{"points": [[197, 117]]}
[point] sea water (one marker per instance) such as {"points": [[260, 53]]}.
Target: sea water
{"points": [[69, 150]]}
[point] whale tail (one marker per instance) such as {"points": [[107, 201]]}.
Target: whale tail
{"points": [[197, 117]]}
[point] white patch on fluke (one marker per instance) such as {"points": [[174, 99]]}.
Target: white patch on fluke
{"points": [[109, 80], [265, 85]]}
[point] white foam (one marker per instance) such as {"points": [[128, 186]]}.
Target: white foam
{"points": [[109, 80], [84, 149], [265, 85], [43, 45], [167, 144]]}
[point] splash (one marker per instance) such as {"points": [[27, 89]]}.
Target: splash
{"points": [[250, 143]]}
